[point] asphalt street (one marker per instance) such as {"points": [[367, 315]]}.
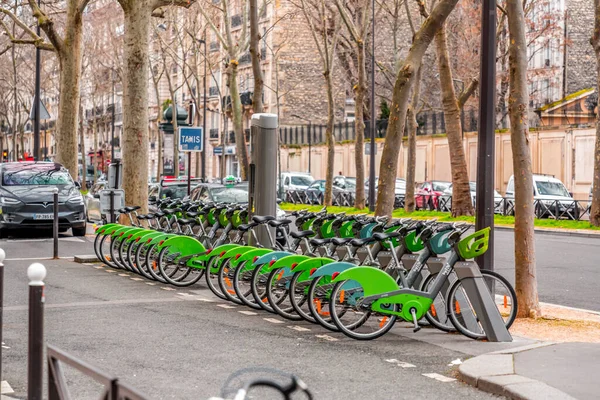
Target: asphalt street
{"points": [[174, 343]]}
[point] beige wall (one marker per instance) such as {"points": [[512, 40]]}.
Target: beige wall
{"points": [[566, 154]]}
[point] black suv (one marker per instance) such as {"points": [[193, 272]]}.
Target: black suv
{"points": [[27, 197]]}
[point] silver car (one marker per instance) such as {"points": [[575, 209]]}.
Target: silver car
{"points": [[27, 197], [92, 202]]}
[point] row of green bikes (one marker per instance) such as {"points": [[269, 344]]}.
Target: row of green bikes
{"points": [[354, 274]]}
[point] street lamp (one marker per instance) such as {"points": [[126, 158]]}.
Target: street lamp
{"points": [[203, 41], [373, 117], [37, 99], [309, 139]]}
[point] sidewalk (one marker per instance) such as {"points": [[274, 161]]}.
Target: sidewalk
{"points": [[539, 371]]}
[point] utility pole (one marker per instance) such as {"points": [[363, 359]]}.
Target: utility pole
{"points": [[37, 100], [112, 132], [373, 118]]}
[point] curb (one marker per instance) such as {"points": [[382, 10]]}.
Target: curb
{"points": [[556, 232], [86, 259], [495, 373]]}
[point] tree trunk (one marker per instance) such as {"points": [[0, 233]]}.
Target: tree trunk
{"points": [[135, 103], [15, 105], [411, 162], [462, 203], [236, 111], [257, 97], [359, 123], [525, 269], [95, 134], [330, 140], [404, 82], [69, 57], [159, 157], [595, 212], [175, 124], [82, 144]]}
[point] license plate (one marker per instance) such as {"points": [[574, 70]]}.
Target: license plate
{"points": [[43, 216]]}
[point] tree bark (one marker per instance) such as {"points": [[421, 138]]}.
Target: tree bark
{"points": [[330, 140], [236, 112], [255, 36], [405, 81], [411, 162], [359, 123], [595, 41], [69, 58], [525, 268], [462, 203], [135, 102]]}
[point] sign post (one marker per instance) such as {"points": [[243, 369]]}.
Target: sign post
{"points": [[191, 140]]}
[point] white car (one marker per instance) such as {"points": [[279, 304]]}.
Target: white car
{"points": [[296, 181], [549, 192]]}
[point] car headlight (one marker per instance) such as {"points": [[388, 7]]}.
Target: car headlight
{"points": [[9, 201], [76, 200]]}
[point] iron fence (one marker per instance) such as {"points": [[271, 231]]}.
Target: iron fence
{"points": [[575, 210], [58, 388]]}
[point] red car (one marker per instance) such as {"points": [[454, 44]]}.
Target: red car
{"points": [[428, 192]]}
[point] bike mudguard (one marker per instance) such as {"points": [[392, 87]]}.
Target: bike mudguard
{"points": [[267, 258], [184, 245], [232, 253], [200, 259], [121, 232], [250, 256], [161, 238], [134, 234], [107, 229], [330, 269], [374, 281], [147, 237], [285, 262], [308, 265]]}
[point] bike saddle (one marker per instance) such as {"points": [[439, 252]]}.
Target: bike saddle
{"points": [[320, 242], [362, 242], [277, 223], [192, 214], [262, 220], [159, 214], [384, 236], [169, 211], [300, 235], [130, 209], [186, 221], [341, 241], [246, 227]]}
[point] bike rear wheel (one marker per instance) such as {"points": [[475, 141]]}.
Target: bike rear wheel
{"points": [[319, 293], [225, 279], [242, 284], [437, 315], [278, 294], [212, 278], [174, 274], [104, 250], [299, 297]]}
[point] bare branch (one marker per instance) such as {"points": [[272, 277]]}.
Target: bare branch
{"points": [[468, 92]]}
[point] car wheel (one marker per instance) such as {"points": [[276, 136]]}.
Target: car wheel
{"points": [[79, 231]]}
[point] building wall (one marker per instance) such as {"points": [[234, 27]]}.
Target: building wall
{"points": [[566, 154], [581, 62]]}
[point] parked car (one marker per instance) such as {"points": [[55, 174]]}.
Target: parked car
{"points": [[316, 191], [549, 192], [92, 202], [498, 199], [399, 190], [27, 197], [173, 188], [296, 181], [428, 193], [218, 193], [345, 183]]}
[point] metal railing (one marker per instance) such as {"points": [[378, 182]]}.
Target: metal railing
{"points": [[58, 388], [575, 210]]}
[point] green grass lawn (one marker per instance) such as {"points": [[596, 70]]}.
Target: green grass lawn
{"points": [[446, 217]]}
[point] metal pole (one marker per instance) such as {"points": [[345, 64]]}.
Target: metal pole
{"points": [[112, 132], [189, 177], [204, 117], [111, 195], [2, 257], [35, 363], [55, 224], [373, 118], [37, 100], [486, 136]]}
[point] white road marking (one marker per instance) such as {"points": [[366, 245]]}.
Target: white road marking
{"points": [[248, 312], [123, 274], [100, 267], [167, 288], [401, 364], [299, 328], [225, 306], [327, 337], [4, 346], [66, 239], [137, 279], [150, 283], [458, 361], [5, 388], [205, 300], [37, 258], [439, 377], [111, 271], [273, 320], [184, 294]]}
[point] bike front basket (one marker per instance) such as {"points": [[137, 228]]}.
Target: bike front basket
{"points": [[413, 243], [474, 245]]}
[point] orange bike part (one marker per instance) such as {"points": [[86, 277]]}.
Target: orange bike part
{"points": [[383, 321], [457, 307], [505, 301], [433, 312], [342, 295]]}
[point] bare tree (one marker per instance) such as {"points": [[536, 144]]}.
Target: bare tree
{"points": [[325, 32], [255, 37], [405, 81], [525, 269], [595, 41]]}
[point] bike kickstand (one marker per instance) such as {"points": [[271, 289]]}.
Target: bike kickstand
{"points": [[414, 315]]}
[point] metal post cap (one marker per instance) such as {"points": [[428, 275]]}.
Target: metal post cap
{"points": [[55, 190], [2, 256], [36, 274]]}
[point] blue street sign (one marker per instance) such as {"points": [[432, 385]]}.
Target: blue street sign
{"points": [[191, 139]]}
